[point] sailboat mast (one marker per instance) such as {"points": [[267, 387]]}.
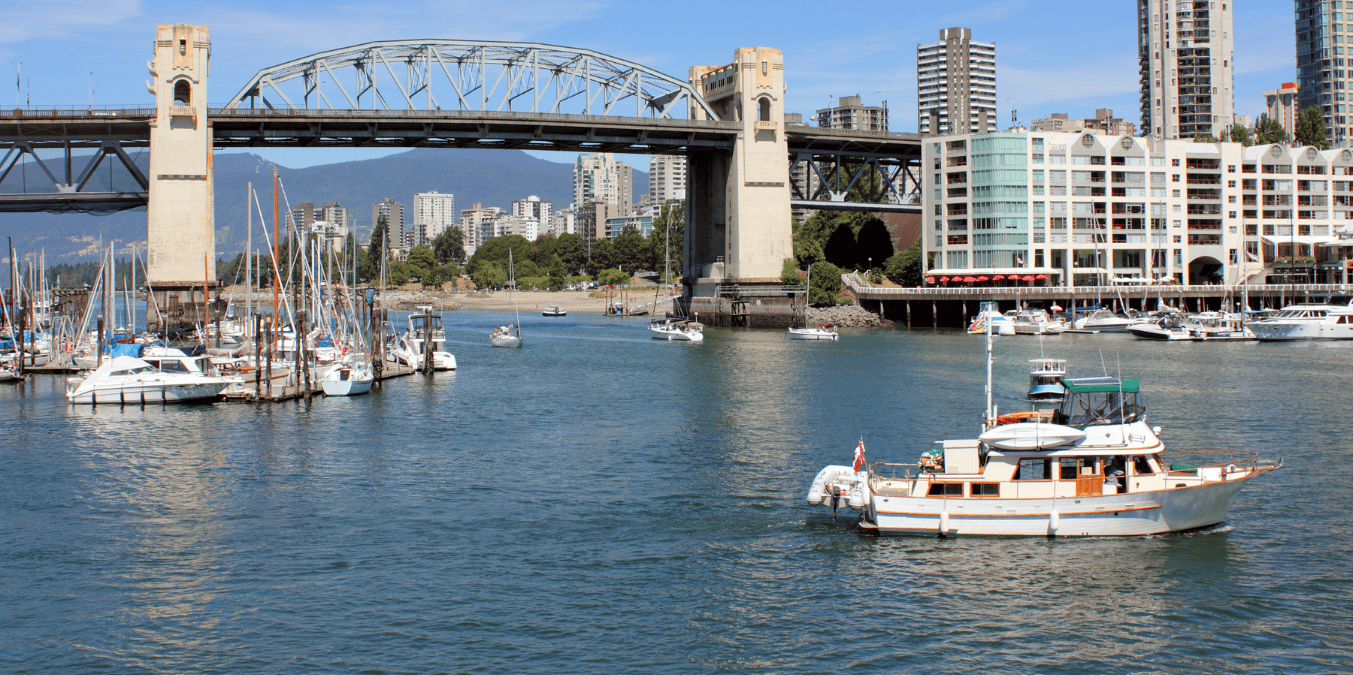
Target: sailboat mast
{"points": [[512, 272], [249, 256]]}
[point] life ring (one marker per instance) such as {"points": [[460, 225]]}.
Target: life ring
{"points": [[1012, 418]]}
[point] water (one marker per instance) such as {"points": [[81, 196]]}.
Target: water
{"points": [[602, 502]]}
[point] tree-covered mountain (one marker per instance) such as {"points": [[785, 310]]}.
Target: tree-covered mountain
{"points": [[491, 177]]}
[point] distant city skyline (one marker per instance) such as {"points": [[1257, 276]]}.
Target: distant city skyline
{"points": [[1090, 64]]}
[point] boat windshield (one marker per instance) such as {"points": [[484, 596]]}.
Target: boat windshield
{"points": [[416, 323], [1101, 401]]}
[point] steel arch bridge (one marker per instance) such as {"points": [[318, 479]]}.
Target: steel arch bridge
{"points": [[468, 75]]}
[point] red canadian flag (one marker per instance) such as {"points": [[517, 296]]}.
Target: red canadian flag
{"points": [[859, 455]]}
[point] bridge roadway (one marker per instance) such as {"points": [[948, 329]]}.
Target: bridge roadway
{"points": [[954, 306], [111, 131]]}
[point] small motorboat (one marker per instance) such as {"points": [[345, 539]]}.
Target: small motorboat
{"points": [[1103, 320], [677, 329], [1167, 327], [1045, 379], [554, 311]]}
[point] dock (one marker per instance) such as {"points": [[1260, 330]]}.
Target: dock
{"points": [[295, 392]]}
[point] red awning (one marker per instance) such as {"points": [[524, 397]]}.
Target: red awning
{"points": [[1028, 278], [982, 278], [944, 279], [998, 278], [969, 279], [1041, 277]]}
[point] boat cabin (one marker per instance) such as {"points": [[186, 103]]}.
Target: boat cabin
{"points": [[1100, 401]]}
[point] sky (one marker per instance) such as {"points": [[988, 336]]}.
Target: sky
{"points": [[1052, 56]]}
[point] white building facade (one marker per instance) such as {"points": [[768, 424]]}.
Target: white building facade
{"points": [[533, 207], [1085, 208], [598, 177], [666, 178], [433, 214]]}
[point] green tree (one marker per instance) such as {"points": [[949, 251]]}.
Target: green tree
{"points": [[789, 275], [1239, 134], [905, 268], [1311, 130], [1268, 131], [572, 252], [1204, 138], [612, 276], [601, 257], [489, 276], [630, 252], [662, 251], [397, 274], [826, 285], [495, 251], [372, 269], [421, 262], [449, 246]]}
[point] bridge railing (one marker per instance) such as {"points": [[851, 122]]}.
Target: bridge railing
{"points": [[863, 288], [128, 110]]}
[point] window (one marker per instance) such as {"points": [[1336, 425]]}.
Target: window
{"points": [[763, 108], [954, 490], [985, 490], [182, 93], [1034, 469]]}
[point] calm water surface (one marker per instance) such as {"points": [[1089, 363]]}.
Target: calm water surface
{"points": [[602, 502]]}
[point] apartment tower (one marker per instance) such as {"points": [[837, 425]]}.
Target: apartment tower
{"points": [[956, 84], [1321, 65], [1184, 53]]}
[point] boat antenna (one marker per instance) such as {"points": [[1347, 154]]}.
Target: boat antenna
{"points": [[990, 414], [1102, 364]]}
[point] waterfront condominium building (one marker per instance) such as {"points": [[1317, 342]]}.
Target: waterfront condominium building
{"points": [[1185, 64], [1281, 105], [393, 212], [598, 177], [477, 222], [666, 178], [1083, 208], [851, 113], [338, 215], [433, 214], [1324, 39], [956, 84], [533, 207]]}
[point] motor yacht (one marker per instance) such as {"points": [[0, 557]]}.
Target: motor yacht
{"points": [[824, 332], [1306, 322], [1036, 321], [1102, 320], [554, 311], [677, 329], [1001, 324], [1166, 327], [411, 345], [1045, 379], [131, 380]]}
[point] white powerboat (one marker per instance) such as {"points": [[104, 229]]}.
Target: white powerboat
{"points": [[129, 380], [1208, 326], [677, 329], [554, 311], [1103, 320], [1306, 322], [1166, 327], [9, 371], [1045, 379], [824, 332], [1035, 321], [411, 345], [1001, 324]]}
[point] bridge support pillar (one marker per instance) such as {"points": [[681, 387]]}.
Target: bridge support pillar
{"points": [[738, 221], [180, 223]]}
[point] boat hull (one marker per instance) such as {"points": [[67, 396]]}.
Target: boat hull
{"points": [[347, 388], [673, 334], [1134, 514], [151, 393], [1275, 332], [812, 334], [505, 341]]}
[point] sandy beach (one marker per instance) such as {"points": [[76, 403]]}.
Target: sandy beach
{"points": [[498, 301]]}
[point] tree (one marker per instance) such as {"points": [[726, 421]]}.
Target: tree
{"points": [[1204, 138], [1311, 130], [904, 268], [489, 276], [630, 250], [661, 251], [612, 277], [572, 252], [826, 285], [602, 256], [449, 247], [374, 250], [1239, 134], [1268, 131], [495, 251], [421, 262], [789, 275], [873, 243]]}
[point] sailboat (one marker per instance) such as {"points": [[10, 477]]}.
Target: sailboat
{"points": [[509, 336], [824, 332]]}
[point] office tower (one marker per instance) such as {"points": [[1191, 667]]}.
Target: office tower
{"points": [[956, 84], [1184, 53]]}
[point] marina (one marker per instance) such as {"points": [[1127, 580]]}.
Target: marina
{"points": [[242, 526]]}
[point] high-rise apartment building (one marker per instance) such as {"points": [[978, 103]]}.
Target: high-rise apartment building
{"points": [[393, 212], [433, 214], [1184, 55], [851, 113], [475, 223], [336, 214], [598, 177], [666, 178], [533, 207], [1281, 105], [1322, 60], [956, 84]]}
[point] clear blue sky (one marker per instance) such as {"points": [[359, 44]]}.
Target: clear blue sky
{"points": [[1052, 56]]}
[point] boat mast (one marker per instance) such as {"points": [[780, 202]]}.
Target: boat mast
{"points": [[991, 410], [511, 271], [249, 257]]}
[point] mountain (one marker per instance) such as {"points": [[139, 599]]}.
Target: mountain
{"points": [[491, 177]]}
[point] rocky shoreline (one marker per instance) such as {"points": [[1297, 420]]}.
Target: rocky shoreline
{"points": [[394, 300], [845, 316]]}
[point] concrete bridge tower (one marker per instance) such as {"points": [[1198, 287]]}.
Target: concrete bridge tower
{"points": [[180, 223], [738, 223]]}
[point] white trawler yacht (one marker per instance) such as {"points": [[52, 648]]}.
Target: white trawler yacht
{"points": [[1306, 322], [410, 346], [1091, 467]]}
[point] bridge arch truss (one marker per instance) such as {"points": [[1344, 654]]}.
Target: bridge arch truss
{"points": [[462, 75]]}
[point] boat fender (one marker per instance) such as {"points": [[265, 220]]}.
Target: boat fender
{"points": [[856, 500], [1054, 522], [944, 522]]}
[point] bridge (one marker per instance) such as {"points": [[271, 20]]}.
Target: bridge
{"points": [[747, 166]]}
